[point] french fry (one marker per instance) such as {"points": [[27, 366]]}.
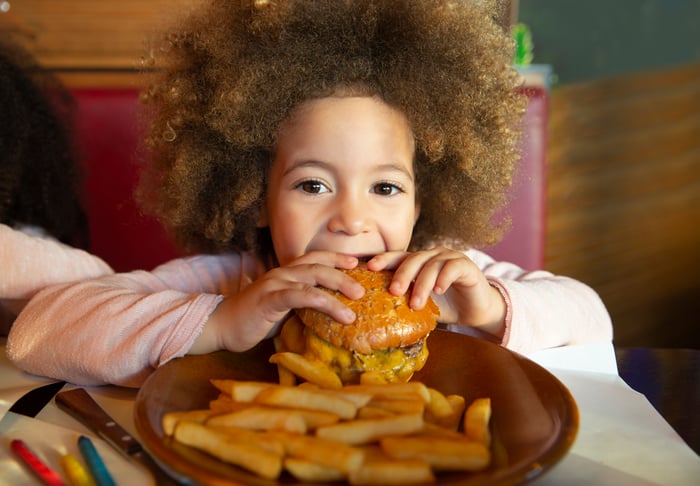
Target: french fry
{"points": [[308, 471], [458, 405], [393, 472], [368, 411], [222, 385], [357, 398], [372, 378], [457, 402], [367, 430], [373, 452], [292, 336], [226, 448], [442, 454], [438, 407], [315, 418], [225, 404], [246, 391], [222, 404], [314, 371], [265, 440], [431, 429], [412, 405], [307, 398], [476, 421], [170, 419], [261, 418], [285, 376], [321, 451], [411, 389], [312, 418]]}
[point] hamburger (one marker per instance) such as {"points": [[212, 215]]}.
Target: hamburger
{"points": [[387, 340]]}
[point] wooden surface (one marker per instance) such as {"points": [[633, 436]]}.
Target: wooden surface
{"points": [[90, 43], [624, 200]]}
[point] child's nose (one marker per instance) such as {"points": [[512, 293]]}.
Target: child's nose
{"points": [[350, 216]]}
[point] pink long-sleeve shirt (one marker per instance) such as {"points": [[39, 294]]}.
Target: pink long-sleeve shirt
{"points": [[119, 328], [30, 260]]}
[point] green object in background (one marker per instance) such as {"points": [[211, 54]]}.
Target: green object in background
{"points": [[523, 45]]}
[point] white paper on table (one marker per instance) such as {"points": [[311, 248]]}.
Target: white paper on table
{"points": [[618, 424], [596, 357], [50, 442]]}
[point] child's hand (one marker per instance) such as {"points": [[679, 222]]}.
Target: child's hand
{"points": [[457, 285], [242, 320]]}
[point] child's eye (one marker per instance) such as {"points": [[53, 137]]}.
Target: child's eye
{"points": [[386, 189], [312, 187]]}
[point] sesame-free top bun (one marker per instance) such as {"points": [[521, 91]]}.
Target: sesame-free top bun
{"points": [[383, 320]]}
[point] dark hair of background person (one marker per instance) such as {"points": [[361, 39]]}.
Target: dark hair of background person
{"points": [[40, 173]]}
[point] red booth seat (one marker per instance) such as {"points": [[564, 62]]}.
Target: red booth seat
{"points": [[108, 138]]}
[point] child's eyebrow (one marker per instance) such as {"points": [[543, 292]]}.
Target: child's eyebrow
{"points": [[313, 163], [307, 163], [395, 167]]}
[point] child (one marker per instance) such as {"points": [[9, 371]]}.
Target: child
{"points": [[41, 216], [295, 138]]}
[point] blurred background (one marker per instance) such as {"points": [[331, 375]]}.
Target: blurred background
{"points": [[623, 158], [623, 134]]}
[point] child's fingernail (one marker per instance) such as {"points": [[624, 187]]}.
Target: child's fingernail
{"points": [[349, 315]]}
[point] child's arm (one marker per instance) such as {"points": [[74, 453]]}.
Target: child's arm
{"points": [[545, 310], [118, 328], [29, 263], [523, 310]]}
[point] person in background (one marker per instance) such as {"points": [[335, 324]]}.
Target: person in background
{"points": [[291, 139], [43, 228]]}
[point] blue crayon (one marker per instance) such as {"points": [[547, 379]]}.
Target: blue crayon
{"points": [[94, 461]]}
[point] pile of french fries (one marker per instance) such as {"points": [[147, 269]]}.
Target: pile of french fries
{"points": [[397, 433]]}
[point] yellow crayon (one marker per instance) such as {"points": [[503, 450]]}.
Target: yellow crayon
{"points": [[77, 474]]}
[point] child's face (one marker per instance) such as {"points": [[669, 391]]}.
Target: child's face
{"points": [[342, 180]]}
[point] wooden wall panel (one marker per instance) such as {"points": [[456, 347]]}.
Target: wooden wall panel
{"points": [[624, 200], [89, 42]]}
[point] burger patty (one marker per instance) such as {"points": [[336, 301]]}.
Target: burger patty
{"points": [[413, 350]]}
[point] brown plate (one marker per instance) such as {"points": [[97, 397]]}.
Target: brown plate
{"points": [[534, 421]]}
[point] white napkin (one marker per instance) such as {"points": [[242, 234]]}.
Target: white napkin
{"points": [[49, 442], [622, 439]]}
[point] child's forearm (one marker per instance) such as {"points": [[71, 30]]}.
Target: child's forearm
{"points": [[111, 330]]}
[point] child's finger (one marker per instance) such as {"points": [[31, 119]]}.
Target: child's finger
{"points": [[317, 299], [409, 271], [327, 258], [386, 261], [461, 270]]}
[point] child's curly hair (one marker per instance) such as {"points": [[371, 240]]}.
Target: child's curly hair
{"points": [[40, 173], [236, 69]]}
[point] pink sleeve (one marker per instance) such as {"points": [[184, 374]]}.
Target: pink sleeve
{"points": [[117, 329], [545, 310], [30, 263]]}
